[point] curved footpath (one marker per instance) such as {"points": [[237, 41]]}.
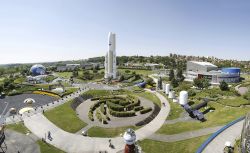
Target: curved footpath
{"points": [[230, 134], [74, 143]]}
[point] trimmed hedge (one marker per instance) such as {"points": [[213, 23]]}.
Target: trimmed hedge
{"points": [[138, 108], [101, 117], [132, 105], [102, 108], [93, 99], [122, 114], [124, 102], [95, 105], [90, 115], [115, 107], [146, 110]]}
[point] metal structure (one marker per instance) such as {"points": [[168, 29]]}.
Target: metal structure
{"points": [[2, 126], [194, 112], [245, 135]]}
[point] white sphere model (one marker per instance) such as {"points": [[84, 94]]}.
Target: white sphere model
{"points": [[183, 99], [167, 88], [129, 137]]}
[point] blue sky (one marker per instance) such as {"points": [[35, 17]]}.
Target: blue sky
{"points": [[52, 30]]}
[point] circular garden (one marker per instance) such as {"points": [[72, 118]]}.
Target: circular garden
{"points": [[105, 108]]}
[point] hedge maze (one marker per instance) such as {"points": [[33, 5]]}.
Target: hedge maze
{"points": [[117, 106]]}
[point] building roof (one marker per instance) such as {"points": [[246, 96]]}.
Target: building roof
{"points": [[204, 63]]}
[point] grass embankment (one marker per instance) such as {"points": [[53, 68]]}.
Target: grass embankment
{"points": [[47, 148], [185, 146], [18, 127], [65, 118], [108, 132], [150, 96], [221, 116]]}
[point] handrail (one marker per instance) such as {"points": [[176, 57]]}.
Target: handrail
{"points": [[204, 145]]}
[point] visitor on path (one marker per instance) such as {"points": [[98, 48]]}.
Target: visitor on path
{"points": [[49, 136]]}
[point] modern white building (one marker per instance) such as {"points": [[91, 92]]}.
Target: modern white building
{"points": [[211, 72], [110, 58]]}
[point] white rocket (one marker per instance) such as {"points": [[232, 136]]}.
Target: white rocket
{"points": [[110, 58]]}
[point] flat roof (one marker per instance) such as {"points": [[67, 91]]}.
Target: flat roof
{"points": [[204, 63]]}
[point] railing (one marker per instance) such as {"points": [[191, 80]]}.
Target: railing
{"points": [[204, 145]]}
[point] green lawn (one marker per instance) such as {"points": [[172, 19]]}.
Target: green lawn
{"points": [[175, 110], [47, 148], [65, 75], [65, 118], [108, 132], [150, 96], [185, 146], [18, 127], [98, 93], [237, 101], [221, 116], [19, 80]]}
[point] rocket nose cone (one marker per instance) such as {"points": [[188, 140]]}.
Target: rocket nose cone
{"points": [[110, 34]]}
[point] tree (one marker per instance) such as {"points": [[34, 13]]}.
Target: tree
{"points": [[201, 83], [205, 83], [75, 73], [1, 89], [224, 86], [198, 83], [179, 75], [171, 75], [121, 78], [127, 71], [150, 81], [174, 83]]}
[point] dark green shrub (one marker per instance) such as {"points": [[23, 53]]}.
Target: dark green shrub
{"points": [[138, 108], [122, 114], [191, 93], [97, 98], [115, 107], [90, 115], [102, 108]]}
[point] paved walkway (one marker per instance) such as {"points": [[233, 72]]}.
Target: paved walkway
{"points": [[19, 142], [86, 128], [230, 134], [184, 135], [241, 90], [75, 143]]}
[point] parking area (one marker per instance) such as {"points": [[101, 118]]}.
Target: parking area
{"points": [[17, 101]]}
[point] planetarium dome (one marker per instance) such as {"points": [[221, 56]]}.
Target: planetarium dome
{"points": [[37, 70]]}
